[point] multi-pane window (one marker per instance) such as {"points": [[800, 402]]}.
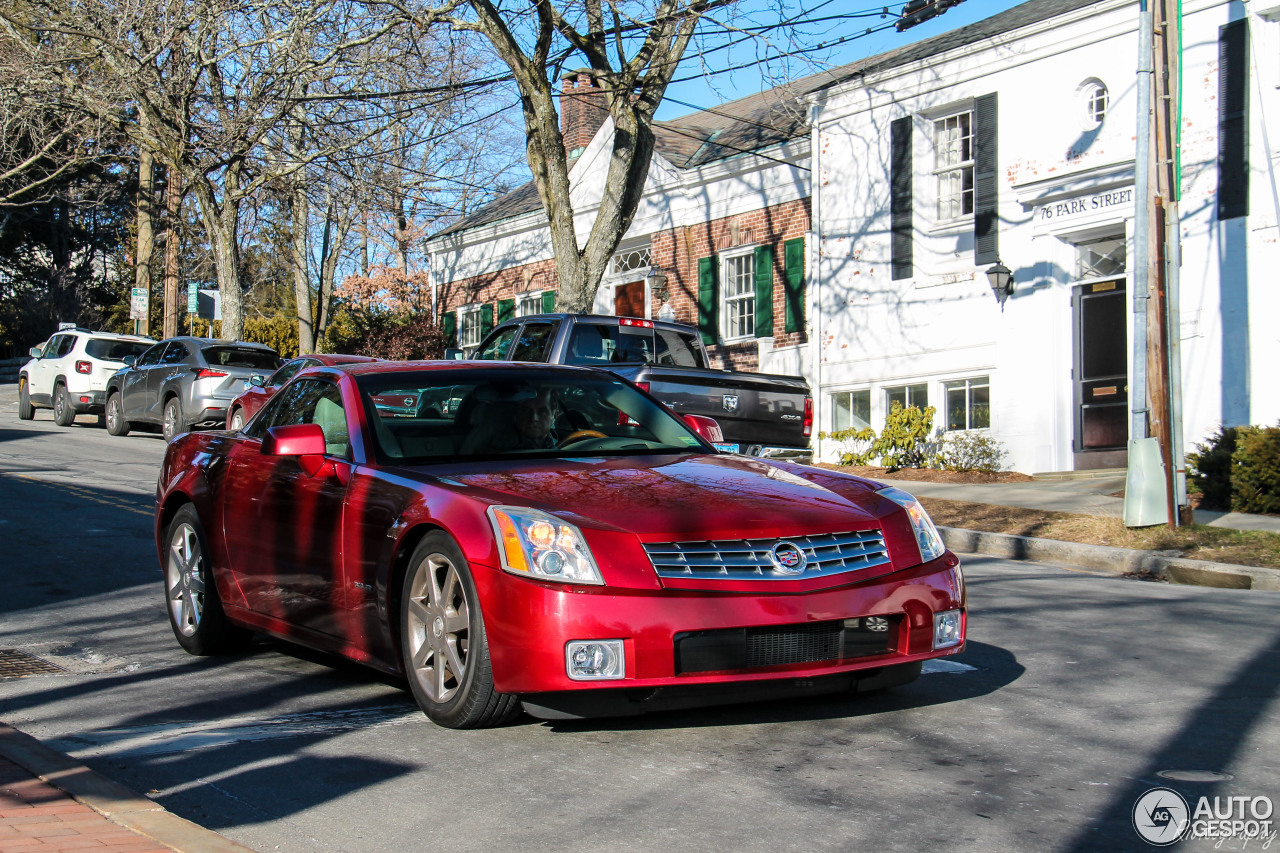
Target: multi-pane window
{"points": [[953, 165], [850, 410], [1102, 258], [739, 296], [470, 325], [969, 404], [630, 261], [906, 396], [528, 303], [1095, 98]]}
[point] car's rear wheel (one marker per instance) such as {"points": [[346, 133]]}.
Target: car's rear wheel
{"points": [[172, 419], [237, 419], [443, 643], [116, 423], [26, 411], [63, 414], [195, 611]]}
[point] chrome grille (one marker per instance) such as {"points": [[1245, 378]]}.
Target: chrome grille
{"points": [[748, 559]]}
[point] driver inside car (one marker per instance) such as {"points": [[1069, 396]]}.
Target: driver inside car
{"points": [[533, 422], [523, 424]]}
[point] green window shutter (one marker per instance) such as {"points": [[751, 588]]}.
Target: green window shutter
{"points": [[506, 309], [548, 301], [486, 318], [449, 322], [793, 262], [763, 267], [708, 297]]}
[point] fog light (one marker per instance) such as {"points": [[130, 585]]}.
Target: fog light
{"points": [[594, 660], [948, 629]]}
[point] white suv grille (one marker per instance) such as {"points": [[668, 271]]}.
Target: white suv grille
{"points": [[749, 559]]}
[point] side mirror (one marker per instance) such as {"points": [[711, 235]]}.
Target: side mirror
{"points": [[707, 428], [453, 354], [36, 352], [294, 440], [130, 360], [257, 381]]}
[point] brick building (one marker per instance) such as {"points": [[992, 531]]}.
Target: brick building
{"points": [[718, 240]]}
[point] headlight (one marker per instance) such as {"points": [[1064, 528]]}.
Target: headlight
{"points": [[931, 547], [539, 545]]}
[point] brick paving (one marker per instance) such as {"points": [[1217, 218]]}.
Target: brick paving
{"points": [[36, 817]]}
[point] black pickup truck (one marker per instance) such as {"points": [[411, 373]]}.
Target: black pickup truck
{"points": [[759, 414]]}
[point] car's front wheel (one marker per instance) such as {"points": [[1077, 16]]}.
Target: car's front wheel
{"points": [[26, 411], [443, 643], [195, 611], [172, 419], [63, 414], [116, 423]]}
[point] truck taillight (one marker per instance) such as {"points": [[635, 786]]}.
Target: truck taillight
{"points": [[630, 321], [84, 367], [808, 416], [206, 373]]}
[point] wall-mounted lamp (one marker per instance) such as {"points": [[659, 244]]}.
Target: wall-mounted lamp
{"points": [[1001, 278], [658, 285]]}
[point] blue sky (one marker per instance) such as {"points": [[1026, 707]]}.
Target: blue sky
{"points": [[840, 20]]}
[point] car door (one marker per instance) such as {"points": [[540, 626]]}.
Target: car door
{"points": [[282, 526], [173, 363], [133, 386], [45, 370]]}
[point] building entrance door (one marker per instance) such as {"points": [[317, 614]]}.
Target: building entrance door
{"points": [[1101, 374], [628, 299]]}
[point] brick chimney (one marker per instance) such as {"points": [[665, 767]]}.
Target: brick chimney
{"points": [[583, 109]]}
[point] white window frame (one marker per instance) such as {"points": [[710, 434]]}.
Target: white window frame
{"points": [[469, 325], [1095, 102], [850, 392], [969, 383], [731, 263], [950, 166], [907, 386], [534, 298]]}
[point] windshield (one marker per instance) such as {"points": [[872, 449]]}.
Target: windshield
{"points": [[454, 415], [107, 349]]}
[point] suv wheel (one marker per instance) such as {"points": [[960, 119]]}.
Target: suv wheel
{"points": [[26, 411], [116, 424], [173, 419], [63, 414]]}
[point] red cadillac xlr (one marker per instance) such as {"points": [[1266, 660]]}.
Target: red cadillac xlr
{"points": [[550, 538]]}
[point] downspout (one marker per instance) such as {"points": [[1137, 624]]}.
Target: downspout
{"points": [[815, 275]]}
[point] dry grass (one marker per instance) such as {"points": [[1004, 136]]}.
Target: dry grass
{"points": [[1197, 542]]}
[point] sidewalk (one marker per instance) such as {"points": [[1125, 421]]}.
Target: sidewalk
{"points": [[49, 804]]}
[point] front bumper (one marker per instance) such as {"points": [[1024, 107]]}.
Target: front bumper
{"points": [[529, 624]]}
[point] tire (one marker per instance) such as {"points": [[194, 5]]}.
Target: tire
{"points": [[191, 596], [116, 423], [443, 645], [237, 419], [172, 425], [63, 414], [26, 411]]}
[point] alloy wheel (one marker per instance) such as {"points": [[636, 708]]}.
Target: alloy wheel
{"points": [[184, 579], [438, 628]]}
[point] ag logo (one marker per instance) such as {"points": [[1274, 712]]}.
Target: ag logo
{"points": [[788, 559], [731, 402], [1160, 816]]}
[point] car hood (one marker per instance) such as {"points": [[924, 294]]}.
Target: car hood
{"points": [[684, 497]]}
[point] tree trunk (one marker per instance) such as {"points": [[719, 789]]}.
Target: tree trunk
{"points": [[146, 233], [221, 217], [301, 286], [173, 297]]}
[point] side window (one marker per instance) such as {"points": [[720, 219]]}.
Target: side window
{"points": [[535, 342], [57, 346], [308, 401], [495, 349], [151, 356], [174, 353], [67, 345]]}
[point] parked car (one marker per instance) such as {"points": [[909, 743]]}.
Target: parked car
{"points": [[260, 390], [68, 373], [760, 414], [184, 383], [561, 543]]}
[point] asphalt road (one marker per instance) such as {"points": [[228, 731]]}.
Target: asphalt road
{"points": [[1078, 691]]}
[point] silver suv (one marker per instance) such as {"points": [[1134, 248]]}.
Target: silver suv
{"points": [[69, 372], [184, 383]]}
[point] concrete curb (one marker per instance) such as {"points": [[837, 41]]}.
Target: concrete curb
{"points": [[1118, 561], [110, 799]]}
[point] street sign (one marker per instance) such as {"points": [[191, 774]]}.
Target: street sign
{"points": [[138, 304], [193, 297]]}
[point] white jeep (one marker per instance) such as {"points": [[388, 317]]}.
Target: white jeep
{"points": [[69, 372]]}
